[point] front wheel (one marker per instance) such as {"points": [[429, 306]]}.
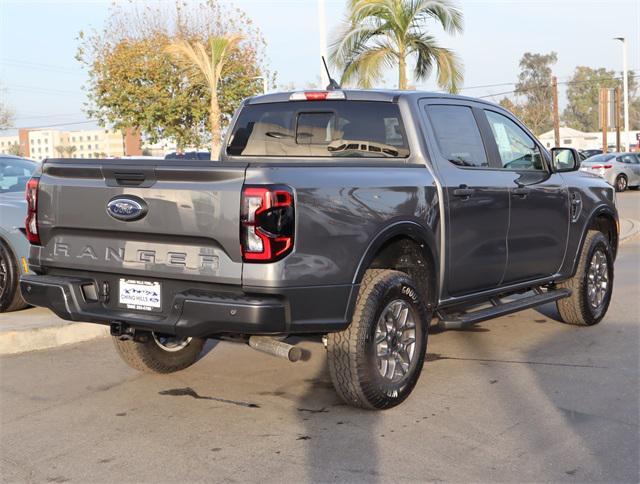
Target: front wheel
{"points": [[159, 353], [375, 363], [592, 285]]}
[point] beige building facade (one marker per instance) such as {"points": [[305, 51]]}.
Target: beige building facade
{"points": [[39, 144]]}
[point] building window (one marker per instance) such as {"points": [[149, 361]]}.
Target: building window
{"points": [[566, 141], [88, 147], [95, 137], [73, 139], [81, 147]]}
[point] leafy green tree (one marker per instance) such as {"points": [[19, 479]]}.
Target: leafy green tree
{"points": [[381, 34], [534, 87], [208, 62], [509, 105], [135, 83]]}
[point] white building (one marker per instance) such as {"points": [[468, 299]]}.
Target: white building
{"points": [[39, 144], [572, 138], [8, 144]]}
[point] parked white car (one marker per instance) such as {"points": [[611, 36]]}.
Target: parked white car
{"points": [[621, 170]]}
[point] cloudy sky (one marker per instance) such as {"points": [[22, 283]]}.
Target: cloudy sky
{"points": [[43, 83]]}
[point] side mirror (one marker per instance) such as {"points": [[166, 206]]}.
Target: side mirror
{"points": [[565, 159]]}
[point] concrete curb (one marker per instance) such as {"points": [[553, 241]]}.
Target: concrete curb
{"points": [[629, 228], [21, 341]]}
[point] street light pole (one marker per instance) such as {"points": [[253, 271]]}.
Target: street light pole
{"points": [[322, 27], [265, 88], [625, 88]]}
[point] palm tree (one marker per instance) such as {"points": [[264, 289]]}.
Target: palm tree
{"points": [[60, 149], [70, 150], [195, 58], [386, 33]]}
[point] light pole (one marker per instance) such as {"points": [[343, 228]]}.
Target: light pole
{"points": [[625, 88], [322, 26], [264, 83]]}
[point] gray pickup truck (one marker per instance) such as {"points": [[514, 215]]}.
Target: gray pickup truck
{"points": [[362, 216]]}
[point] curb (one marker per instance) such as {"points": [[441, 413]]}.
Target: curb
{"points": [[629, 228], [13, 342]]}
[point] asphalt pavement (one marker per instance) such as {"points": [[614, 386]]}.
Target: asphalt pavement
{"points": [[522, 398]]}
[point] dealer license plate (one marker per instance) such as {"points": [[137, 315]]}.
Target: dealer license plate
{"points": [[140, 295]]}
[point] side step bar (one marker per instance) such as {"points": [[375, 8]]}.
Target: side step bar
{"points": [[500, 309]]}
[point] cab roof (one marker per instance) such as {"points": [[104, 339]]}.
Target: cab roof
{"points": [[381, 95]]}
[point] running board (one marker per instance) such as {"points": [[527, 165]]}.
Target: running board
{"points": [[500, 309]]}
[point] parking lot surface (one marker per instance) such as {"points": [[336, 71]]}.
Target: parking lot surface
{"points": [[520, 398]]}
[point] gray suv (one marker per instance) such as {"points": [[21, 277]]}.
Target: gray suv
{"points": [[362, 216]]}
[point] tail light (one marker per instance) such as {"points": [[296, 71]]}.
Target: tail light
{"points": [[31, 222], [267, 223], [601, 167]]}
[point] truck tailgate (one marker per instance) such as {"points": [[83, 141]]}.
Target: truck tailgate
{"points": [[190, 230]]}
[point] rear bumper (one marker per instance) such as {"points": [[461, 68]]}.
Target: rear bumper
{"points": [[199, 312]]}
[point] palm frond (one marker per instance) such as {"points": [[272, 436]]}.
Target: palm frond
{"points": [[366, 68], [443, 11]]}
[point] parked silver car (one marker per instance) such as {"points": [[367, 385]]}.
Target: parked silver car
{"points": [[621, 170], [14, 246]]}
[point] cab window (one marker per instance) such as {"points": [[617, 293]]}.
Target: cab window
{"points": [[517, 150]]}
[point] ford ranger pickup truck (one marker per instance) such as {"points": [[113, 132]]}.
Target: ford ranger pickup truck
{"points": [[363, 216]]}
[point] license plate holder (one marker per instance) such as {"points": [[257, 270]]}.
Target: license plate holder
{"points": [[140, 295]]}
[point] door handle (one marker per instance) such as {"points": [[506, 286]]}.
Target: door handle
{"points": [[520, 192], [463, 192]]}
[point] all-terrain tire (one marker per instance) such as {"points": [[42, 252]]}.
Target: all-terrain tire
{"points": [[10, 295], [144, 353], [352, 353], [577, 309]]}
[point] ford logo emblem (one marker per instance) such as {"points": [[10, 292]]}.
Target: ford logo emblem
{"points": [[127, 208]]}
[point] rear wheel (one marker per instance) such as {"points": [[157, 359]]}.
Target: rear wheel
{"points": [[376, 362], [10, 295], [592, 285], [159, 353], [621, 183]]}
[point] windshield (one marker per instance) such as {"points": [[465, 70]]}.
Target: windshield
{"points": [[319, 129], [15, 173]]}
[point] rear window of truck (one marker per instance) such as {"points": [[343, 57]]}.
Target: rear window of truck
{"points": [[327, 129]]}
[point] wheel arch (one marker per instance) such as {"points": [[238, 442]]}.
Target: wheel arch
{"points": [[405, 246], [605, 220]]}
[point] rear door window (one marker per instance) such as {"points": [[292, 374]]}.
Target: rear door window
{"points": [[319, 129], [458, 135]]}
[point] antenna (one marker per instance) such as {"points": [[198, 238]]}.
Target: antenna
{"points": [[333, 85]]}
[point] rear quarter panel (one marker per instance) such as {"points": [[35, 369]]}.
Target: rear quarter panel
{"points": [[340, 210]]}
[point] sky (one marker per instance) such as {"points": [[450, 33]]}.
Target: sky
{"points": [[43, 83]]}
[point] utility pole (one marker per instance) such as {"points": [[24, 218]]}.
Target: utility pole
{"points": [[625, 87], [617, 116], [322, 27], [604, 114], [556, 118]]}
